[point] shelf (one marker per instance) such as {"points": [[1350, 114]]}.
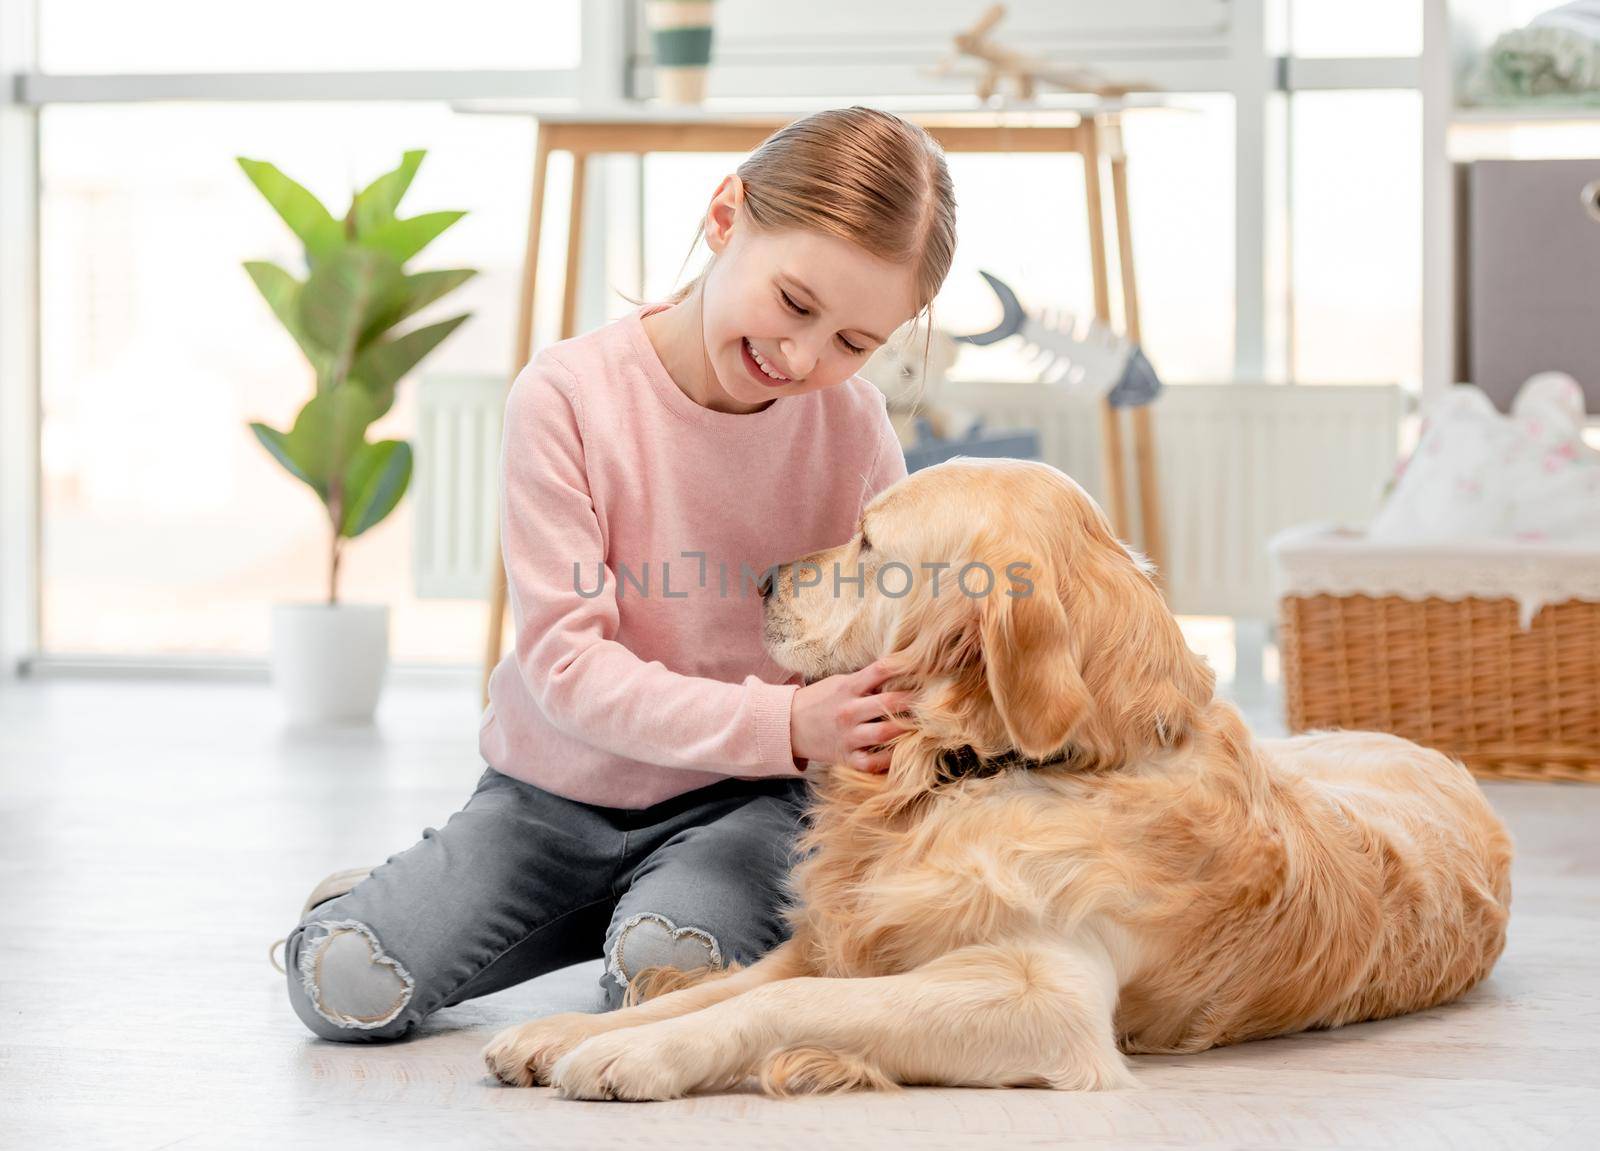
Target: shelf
{"points": [[1513, 114]]}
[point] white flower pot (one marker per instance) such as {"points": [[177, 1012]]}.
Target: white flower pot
{"points": [[329, 661]]}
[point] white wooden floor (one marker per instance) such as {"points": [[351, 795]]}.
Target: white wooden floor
{"points": [[154, 837]]}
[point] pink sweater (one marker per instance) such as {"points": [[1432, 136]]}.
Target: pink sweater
{"points": [[628, 697]]}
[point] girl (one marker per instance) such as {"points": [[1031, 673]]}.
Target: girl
{"points": [[646, 757]]}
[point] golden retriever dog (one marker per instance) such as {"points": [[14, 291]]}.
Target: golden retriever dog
{"points": [[1077, 852]]}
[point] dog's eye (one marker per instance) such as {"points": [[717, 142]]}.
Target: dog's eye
{"points": [[865, 542]]}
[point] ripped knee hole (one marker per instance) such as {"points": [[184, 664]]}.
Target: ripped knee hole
{"points": [[348, 978], [649, 939]]}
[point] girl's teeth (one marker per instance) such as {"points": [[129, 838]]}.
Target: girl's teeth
{"points": [[762, 364]]}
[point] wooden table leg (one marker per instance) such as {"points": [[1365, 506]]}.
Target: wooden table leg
{"points": [[569, 302], [521, 354], [1113, 475], [1152, 539], [1111, 468], [1152, 536]]}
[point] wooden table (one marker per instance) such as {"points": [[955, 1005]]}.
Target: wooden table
{"points": [[655, 129]]}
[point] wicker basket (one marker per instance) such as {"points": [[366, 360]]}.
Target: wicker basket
{"points": [[1415, 641]]}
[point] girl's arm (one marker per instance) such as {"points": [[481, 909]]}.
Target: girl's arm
{"points": [[587, 683]]}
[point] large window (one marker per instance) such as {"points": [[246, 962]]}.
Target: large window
{"points": [[1355, 28], [165, 527], [1344, 170], [1355, 186]]}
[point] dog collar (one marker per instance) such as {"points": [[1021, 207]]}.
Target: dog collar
{"points": [[965, 763]]}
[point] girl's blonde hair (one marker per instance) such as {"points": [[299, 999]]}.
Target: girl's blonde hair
{"points": [[862, 175]]}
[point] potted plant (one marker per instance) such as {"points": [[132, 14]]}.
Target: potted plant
{"points": [[329, 658]]}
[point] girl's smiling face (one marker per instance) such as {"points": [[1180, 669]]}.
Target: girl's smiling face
{"points": [[792, 311]]}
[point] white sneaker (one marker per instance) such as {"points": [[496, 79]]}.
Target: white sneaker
{"points": [[331, 887]]}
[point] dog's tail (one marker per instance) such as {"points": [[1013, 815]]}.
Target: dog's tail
{"points": [[653, 982], [818, 1070]]}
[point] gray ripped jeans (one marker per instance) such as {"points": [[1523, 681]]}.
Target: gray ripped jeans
{"points": [[521, 881]]}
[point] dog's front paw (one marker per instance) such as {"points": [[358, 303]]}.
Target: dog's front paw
{"points": [[651, 1062], [523, 1055]]}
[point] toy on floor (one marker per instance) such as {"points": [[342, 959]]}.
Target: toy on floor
{"points": [[908, 371]]}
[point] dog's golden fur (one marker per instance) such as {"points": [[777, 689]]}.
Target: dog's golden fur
{"points": [[1170, 884]]}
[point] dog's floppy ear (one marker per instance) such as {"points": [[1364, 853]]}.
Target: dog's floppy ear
{"points": [[1149, 687], [1030, 665], [1160, 689]]}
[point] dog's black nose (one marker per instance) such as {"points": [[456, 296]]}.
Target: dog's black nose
{"points": [[765, 586]]}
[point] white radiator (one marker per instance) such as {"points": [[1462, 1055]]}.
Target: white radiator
{"points": [[455, 484], [1235, 462]]}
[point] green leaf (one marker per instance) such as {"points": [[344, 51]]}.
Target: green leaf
{"points": [[328, 433], [314, 224], [416, 292], [403, 239], [338, 303], [278, 287], [278, 444], [380, 366], [282, 292], [377, 203], [373, 484]]}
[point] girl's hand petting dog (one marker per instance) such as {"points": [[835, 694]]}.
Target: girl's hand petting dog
{"points": [[844, 719]]}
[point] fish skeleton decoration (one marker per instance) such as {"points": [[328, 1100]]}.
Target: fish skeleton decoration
{"points": [[1097, 361]]}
